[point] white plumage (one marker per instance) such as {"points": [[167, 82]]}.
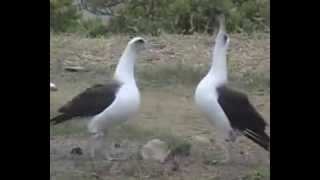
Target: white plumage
{"points": [[127, 101]]}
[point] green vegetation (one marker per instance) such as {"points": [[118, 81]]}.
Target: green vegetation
{"points": [[63, 16], [257, 174], [169, 16]]}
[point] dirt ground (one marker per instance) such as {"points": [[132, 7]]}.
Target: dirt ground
{"points": [[167, 110]]}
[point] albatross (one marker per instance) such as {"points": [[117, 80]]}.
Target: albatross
{"points": [[108, 104], [227, 109]]}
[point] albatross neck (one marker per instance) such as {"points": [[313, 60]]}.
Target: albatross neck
{"points": [[125, 68], [218, 70]]}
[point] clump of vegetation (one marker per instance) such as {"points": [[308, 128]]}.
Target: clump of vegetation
{"points": [[154, 17], [257, 174], [210, 162], [94, 28], [183, 148], [63, 16], [189, 16]]}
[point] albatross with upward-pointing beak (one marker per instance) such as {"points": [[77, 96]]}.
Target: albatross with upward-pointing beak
{"points": [[228, 110]]}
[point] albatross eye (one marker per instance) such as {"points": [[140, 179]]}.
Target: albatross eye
{"points": [[225, 37], [140, 41]]}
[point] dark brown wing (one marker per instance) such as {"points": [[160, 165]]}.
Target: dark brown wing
{"points": [[243, 116], [90, 102]]}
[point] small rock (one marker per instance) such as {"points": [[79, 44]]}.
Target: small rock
{"points": [[75, 68], [211, 162], [175, 166], [201, 139], [76, 151], [116, 145], [117, 156], [155, 150]]}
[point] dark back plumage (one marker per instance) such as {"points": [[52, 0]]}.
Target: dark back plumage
{"points": [[90, 102], [243, 116]]}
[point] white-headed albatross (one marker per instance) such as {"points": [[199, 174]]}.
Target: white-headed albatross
{"points": [[228, 110], [108, 104]]}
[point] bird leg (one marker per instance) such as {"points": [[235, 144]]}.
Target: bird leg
{"points": [[226, 145], [226, 150], [96, 143]]}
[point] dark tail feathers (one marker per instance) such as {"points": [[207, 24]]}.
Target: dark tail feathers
{"points": [[262, 139], [60, 118]]}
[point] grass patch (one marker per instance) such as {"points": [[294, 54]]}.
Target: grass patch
{"points": [[169, 74], [251, 82], [139, 133], [126, 131], [257, 174], [181, 148], [69, 128], [183, 74], [164, 75]]}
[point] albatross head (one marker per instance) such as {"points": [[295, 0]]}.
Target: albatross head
{"points": [[125, 68], [222, 39], [138, 44]]}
